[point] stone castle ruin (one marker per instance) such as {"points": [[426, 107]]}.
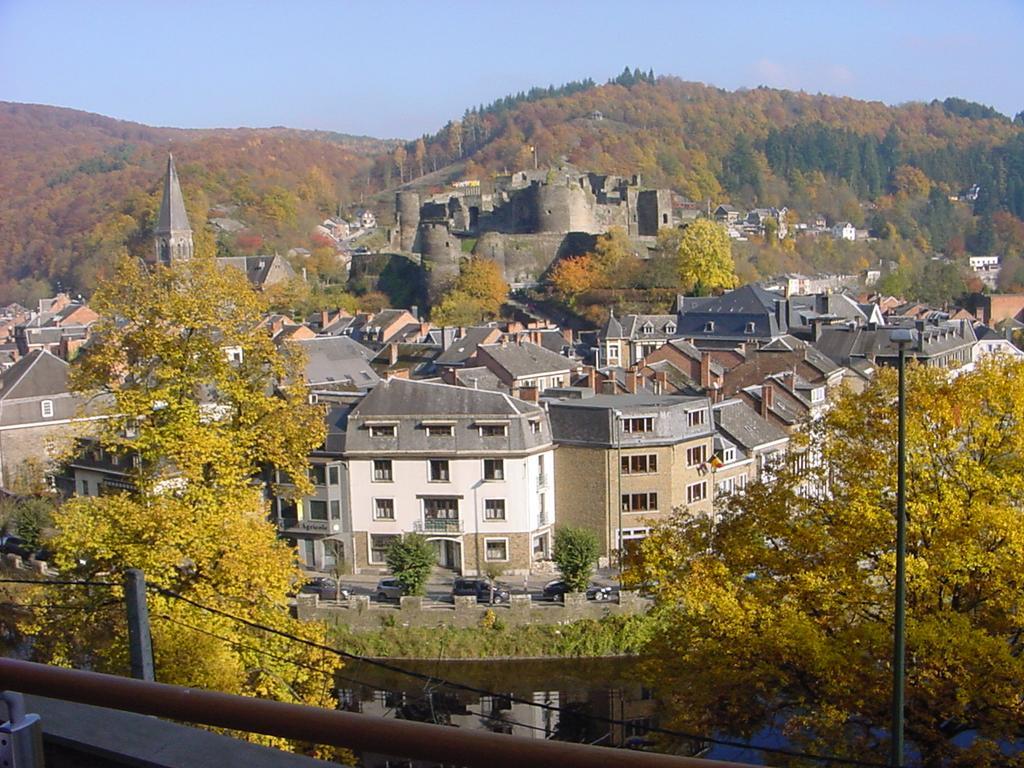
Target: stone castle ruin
{"points": [[531, 219]]}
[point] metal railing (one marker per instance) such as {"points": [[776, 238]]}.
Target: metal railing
{"points": [[324, 726], [438, 525]]}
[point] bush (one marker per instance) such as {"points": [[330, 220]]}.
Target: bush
{"points": [[575, 554], [411, 559]]}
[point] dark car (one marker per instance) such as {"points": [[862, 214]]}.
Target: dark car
{"points": [[389, 589], [556, 590], [325, 588], [12, 545], [485, 591]]}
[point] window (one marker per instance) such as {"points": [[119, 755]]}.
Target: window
{"points": [[695, 418], [382, 471], [496, 550], [382, 430], [379, 543], [318, 474], [696, 455], [696, 492], [47, 409], [494, 469], [383, 509], [439, 430], [493, 430], [731, 485], [818, 394], [639, 502], [287, 509], [535, 428], [317, 510], [335, 509], [440, 509], [85, 488], [494, 509], [728, 455], [709, 326], [670, 328], [439, 471], [642, 424], [648, 328], [332, 475], [750, 327], [640, 464]]}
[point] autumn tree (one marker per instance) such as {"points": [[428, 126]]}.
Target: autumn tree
{"points": [[573, 276], [782, 609], [198, 401], [476, 295], [705, 258], [399, 156], [419, 154]]}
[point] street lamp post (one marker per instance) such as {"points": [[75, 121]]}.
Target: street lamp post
{"points": [[902, 337]]}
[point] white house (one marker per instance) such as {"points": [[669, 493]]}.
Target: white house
{"points": [[844, 230], [471, 470]]}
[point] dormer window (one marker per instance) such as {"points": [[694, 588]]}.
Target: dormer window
{"points": [[750, 328], [46, 407], [817, 394], [728, 455], [648, 328], [382, 430], [670, 328], [709, 326]]}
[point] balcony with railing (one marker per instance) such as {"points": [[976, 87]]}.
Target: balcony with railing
{"points": [[438, 525], [542, 481]]}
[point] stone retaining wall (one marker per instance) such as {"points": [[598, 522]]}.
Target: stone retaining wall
{"points": [[360, 614]]}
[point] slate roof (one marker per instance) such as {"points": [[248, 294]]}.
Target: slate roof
{"points": [[592, 420], [462, 349], [479, 378], [527, 359], [743, 314], [662, 326], [744, 426], [403, 397], [418, 359], [338, 360], [613, 328], [38, 374], [172, 208], [841, 344], [257, 268]]}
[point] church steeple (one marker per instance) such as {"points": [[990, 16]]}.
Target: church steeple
{"points": [[173, 234]]}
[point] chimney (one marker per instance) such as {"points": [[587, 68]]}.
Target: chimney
{"points": [[767, 399], [705, 370], [424, 330], [567, 335], [631, 382], [919, 326], [781, 313], [325, 319], [415, 312], [591, 378], [529, 394], [392, 354], [660, 382], [608, 387]]}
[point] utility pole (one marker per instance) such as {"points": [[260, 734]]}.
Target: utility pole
{"points": [[140, 643], [902, 337]]}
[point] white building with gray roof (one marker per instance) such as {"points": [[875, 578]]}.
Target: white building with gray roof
{"points": [[471, 470]]}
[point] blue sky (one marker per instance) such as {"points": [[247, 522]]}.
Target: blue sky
{"points": [[400, 69]]}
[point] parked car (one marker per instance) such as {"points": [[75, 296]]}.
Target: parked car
{"points": [[556, 590], [12, 545], [325, 588], [389, 589], [484, 590]]}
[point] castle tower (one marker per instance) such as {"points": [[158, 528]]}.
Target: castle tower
{"points": [[173, 235]]}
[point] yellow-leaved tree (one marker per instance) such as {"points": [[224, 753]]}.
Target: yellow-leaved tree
{"points": [[705, 259], [782, 610], [195, 390], [476, 295]]}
